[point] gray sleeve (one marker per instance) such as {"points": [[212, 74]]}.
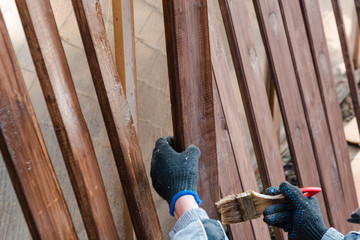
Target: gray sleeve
{"points": [[333, 234], [193, 225]]}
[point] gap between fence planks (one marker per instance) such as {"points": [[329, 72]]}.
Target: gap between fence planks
{"points": [[236, 173], [191, 91], [69, 123], [349, 65], [25, 155], [315, 30], [118, 120], [124, 39]]}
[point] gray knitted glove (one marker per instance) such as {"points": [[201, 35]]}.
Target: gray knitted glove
{"points": [[174, 174], [300, 217]]}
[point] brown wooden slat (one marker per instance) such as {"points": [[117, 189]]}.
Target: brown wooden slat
{"points": [[118, 120], [236, 173], [25, 154], [229, 178], [349, 65], [294, 112], [189, 65], [312, 101], [253, 92], [315, 29], [69, 123]]}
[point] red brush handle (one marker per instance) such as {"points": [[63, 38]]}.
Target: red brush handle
{"points": [[310, 191]]}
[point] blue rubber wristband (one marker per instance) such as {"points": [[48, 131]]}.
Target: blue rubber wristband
{"points": [[179, 194]]}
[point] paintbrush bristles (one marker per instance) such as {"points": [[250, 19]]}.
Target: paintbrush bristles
{"points": [[229, 209], [245, 206]]}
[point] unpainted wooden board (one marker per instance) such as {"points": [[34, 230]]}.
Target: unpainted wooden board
{"points": [[320, 53], [124, 37], [69, 123], [190, 77], [24, 152], [118, 120]]}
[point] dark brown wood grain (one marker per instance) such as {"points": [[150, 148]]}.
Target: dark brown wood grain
{"points": [[118, 120], [69, 123], [24, 152], [189, 66], [289, 95], [236, 173], [253, 92], [349, 65], [314, 111], [229, 177], [326, 82]]}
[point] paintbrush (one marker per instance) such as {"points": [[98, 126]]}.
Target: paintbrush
{"points": [[250, 205]]}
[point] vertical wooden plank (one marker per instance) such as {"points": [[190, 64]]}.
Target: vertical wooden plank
{"points": [[124, 38], [229, 177], [313, 105], [298, 118], [349, 65], [25, 154], [65, 112], [326, 82], [253, 92], [236, 173], [119, 123], [189, 65], [124, 34]]}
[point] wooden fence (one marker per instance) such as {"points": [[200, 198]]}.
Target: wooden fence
{"points": [[203, 106]]}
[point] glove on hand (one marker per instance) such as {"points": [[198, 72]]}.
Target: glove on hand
{"points": [[174, 174], [300, 217]]}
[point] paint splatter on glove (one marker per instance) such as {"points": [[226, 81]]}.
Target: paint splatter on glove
{"points": [[174, 174], [300, 217]]}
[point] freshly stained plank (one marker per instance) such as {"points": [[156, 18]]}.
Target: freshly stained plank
{"points": [[294, 113], [229, 177], [349, 65], [253, 92], [312, 101], [24, 152], [118, 120], [65, 112], [315, 29], [189, 65], [124, 38], [124, 34], [236, 173]]}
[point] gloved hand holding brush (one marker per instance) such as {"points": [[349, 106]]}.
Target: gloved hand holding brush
{"points": [[300, 216]]}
